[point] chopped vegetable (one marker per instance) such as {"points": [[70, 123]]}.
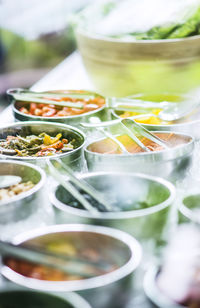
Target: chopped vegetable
{"points": [[42, 145], [142, 20], [14, 190], [44, 110]]}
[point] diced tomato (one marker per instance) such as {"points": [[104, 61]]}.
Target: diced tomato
{"points": [[62, 113], [48, 112], [40, 106], [38, 112], [24, 110], [33, 106]]}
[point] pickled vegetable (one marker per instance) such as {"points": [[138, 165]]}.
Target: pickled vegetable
{"points": [[42, 145]]}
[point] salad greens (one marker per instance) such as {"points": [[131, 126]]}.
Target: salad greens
{"points": [[142, 20]]}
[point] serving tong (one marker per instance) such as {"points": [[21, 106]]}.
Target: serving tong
{"points": [[67, 264], [169, 111], [129, 124], [81, 184]]}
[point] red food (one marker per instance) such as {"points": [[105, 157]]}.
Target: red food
{"points": [[59, 111], [33, 106]]}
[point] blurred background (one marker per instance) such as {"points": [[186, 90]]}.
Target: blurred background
{"points": [[34, 37]]}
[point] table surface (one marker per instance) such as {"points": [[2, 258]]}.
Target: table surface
{"points": [[70, 74]]}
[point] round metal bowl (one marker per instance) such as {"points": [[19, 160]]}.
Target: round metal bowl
{"points": [[144, 223], [187, 125], [71, 120], [23, 205], [154, 293], [190, 208], [15, 296], [171, 163], [122, 67], [72, 158], [112, 245]]}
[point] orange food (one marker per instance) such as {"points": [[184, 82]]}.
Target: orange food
{"points": [[51, 110]]}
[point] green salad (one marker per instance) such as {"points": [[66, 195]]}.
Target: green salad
{"points": [[142, 19]]}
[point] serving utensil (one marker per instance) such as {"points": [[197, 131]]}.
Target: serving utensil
{"points": [[82, 185], [29, 98], [169, 111], [109, 135], [96, 124], [9, 180], [65, 263], [130, 123]]}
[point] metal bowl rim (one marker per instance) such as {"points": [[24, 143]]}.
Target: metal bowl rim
{"points": [[162, 126], [185, 211], [29, 123], [154, 293], [31, 191], [117, 215], [154, 153], [90, 283], [98, 37], [71, 297]]}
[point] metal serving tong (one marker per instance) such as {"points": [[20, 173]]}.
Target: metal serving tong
{"points": [[67, 264], [38, 97], [98, 196], [129, 125], [169, 111]]}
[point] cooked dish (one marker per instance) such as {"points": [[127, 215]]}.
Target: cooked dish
{"points": [[14, 190], [151, 120], [108, 146], [37, 271], [32, 145], [44, 110], [41, 272]]}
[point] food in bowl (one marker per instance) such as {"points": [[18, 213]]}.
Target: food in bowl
{"points": [[58, 103], [14, 190], [142, 20], [42, 272], [44, 110], [38, 271], [108, 146], [32, 145]]}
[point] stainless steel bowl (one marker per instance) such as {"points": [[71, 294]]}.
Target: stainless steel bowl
{"points": [[71, 120], [72, 158], [123, 67], [144, 223], [116, 246], [23, 205], [154, 293], [15, 296], [190, 208], [171, 163], [187, 125]]}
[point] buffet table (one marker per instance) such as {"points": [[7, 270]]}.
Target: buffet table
{"points": [[70, 74]]}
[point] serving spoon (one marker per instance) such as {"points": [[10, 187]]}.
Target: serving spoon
{"points": [[9, 180]]}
